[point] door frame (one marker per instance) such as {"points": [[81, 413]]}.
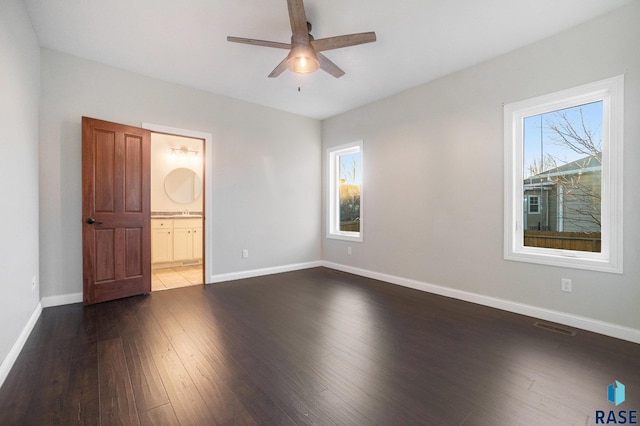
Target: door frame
{"points": [[208, 202]]}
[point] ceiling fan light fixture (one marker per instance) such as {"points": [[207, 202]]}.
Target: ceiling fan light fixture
{"points": [[303, 60]]}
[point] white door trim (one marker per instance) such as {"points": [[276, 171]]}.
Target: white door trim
{"points": [[208, 206]]}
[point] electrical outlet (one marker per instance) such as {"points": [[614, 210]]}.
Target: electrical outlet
{"points": [[245, 253], [566, 285], [349, 251]]}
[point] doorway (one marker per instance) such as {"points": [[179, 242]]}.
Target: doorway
{"points": [[116, 209], [177, 211], [179, 207]]}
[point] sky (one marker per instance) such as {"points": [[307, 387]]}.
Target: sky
{"points": [[349, 170], [537, 142]]}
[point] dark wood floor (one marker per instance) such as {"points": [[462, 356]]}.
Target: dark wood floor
{"points": [[309, 347]]}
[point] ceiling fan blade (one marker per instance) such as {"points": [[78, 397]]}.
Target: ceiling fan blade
{"points": [[343, 41], [259, 42], [298, 19], [329, 66], [279, 69]]}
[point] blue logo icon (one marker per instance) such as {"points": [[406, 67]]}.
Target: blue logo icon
{"points": [[615, 393]]}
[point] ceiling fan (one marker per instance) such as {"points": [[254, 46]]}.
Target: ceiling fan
{"points": [[304, 51]]}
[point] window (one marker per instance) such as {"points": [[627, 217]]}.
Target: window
{"points": [[534, 204], [563, 178], [345, 192]]}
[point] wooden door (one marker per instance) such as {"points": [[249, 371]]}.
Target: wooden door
{"points": [[116, 211]]}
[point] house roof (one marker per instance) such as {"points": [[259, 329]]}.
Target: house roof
{"points": [[582, 165]]}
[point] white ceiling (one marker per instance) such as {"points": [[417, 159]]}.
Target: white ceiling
{"points": [[185, 42]]}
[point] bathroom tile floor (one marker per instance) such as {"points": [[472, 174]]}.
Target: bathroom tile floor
{"points": [[181, 276]]}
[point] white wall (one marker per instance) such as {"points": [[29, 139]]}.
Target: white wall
{"points": [[265, 189], [434, 175], [19, 92]]}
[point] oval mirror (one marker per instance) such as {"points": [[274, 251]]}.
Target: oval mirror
{"points": [[183, 185]]}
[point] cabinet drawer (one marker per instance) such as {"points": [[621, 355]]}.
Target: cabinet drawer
{"points": [[161, 223], [187, 223]]}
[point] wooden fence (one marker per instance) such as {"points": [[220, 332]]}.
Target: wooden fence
{"points": [[352, 225], [579, 241]]}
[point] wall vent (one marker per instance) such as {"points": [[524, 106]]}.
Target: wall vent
{"points": [[555, 328]]}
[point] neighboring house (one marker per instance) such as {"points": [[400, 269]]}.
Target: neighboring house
{"points": [[565, 198]]}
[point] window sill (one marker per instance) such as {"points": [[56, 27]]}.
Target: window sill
{"points": [[565, 259], [346, 236]]}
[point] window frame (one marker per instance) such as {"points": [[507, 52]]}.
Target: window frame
{"points": [[611, 92], [333, 202]]}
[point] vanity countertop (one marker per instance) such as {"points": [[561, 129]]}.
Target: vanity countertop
{"points": [[176, 216]]}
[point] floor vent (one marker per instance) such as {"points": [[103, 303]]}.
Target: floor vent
{"points": [[554, 328]]}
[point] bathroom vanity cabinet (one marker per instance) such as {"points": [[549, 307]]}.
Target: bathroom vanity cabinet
{"points": [[176, 240], [187, 239]]}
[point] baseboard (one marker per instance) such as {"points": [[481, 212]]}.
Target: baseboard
{"points": [[576, 321], [12, 356], [66, 299], [584, 323], [263, 271], [63, 299]]}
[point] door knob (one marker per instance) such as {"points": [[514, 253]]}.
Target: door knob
{"points": [[91, 221]]}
